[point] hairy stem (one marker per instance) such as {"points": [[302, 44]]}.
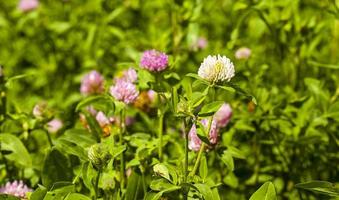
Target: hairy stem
{"points": [[96, 187], [122, 159], [49, 138], [195, 168], [160, 134]]}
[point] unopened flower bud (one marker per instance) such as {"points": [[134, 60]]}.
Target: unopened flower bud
{"points": [[39, 109], [98, 156]]}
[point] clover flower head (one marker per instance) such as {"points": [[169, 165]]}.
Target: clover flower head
{"points": [[154, 60], [223, 115], [194, 143], [39, 109], [216, 69], [92, 83], [213, 134], [54, 125], [28, 5], [124, 91], [130, 75], [15, 188], [243, 53], [102, 119]]}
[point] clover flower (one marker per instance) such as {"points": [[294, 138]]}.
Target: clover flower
{"points": [[199, 43], [39, 109], [16, 188], [216, 69], [92, 83], [130, 75], [243, 53], [28, 5], [223, 115], [124, 91], [195, 142], [54, 125], [104, 122], [154, 61]]}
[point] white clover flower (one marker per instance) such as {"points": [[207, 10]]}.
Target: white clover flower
{"points": [[216, 68]]}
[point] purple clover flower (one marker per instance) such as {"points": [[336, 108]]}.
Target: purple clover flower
{"points": [[124, 91], [154, 60], [28, 5], [54, 125], [130, 75], [223, 115], [92, 83], [16, 188], [195, 142]]}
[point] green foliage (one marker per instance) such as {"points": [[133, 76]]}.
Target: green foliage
{"points": [[265, 192]]}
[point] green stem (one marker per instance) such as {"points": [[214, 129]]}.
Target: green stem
{"points": [[49, 138], [202, 147], [160, 133], [195, 168], [97, 185], [143, 182], [186, 153], [186, 159], [122, 161]]}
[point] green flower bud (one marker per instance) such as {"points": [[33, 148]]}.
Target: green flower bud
{"points": [[98, 156]]}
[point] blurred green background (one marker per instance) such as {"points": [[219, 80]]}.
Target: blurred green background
{"points": [[62, 39]]}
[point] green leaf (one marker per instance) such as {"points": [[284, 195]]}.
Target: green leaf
{"points": [[59, 190], [145, 77], [211, 108], [117, 150], [8, 197], [238, 90], [205, 190], [77, 196], [163, 186], [14, 78], [236, 153], [133, 184], [317, 64], [203, 171], [93, 99], [39, 193], [94, 126], [322, 187], [197, 99], [80, 137], [71, 148], [202, 133], [265, 192], [161, 170], [88, 174], [18, 152], [196, 76], [174, 99], [228, 160], [56, 168]]}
